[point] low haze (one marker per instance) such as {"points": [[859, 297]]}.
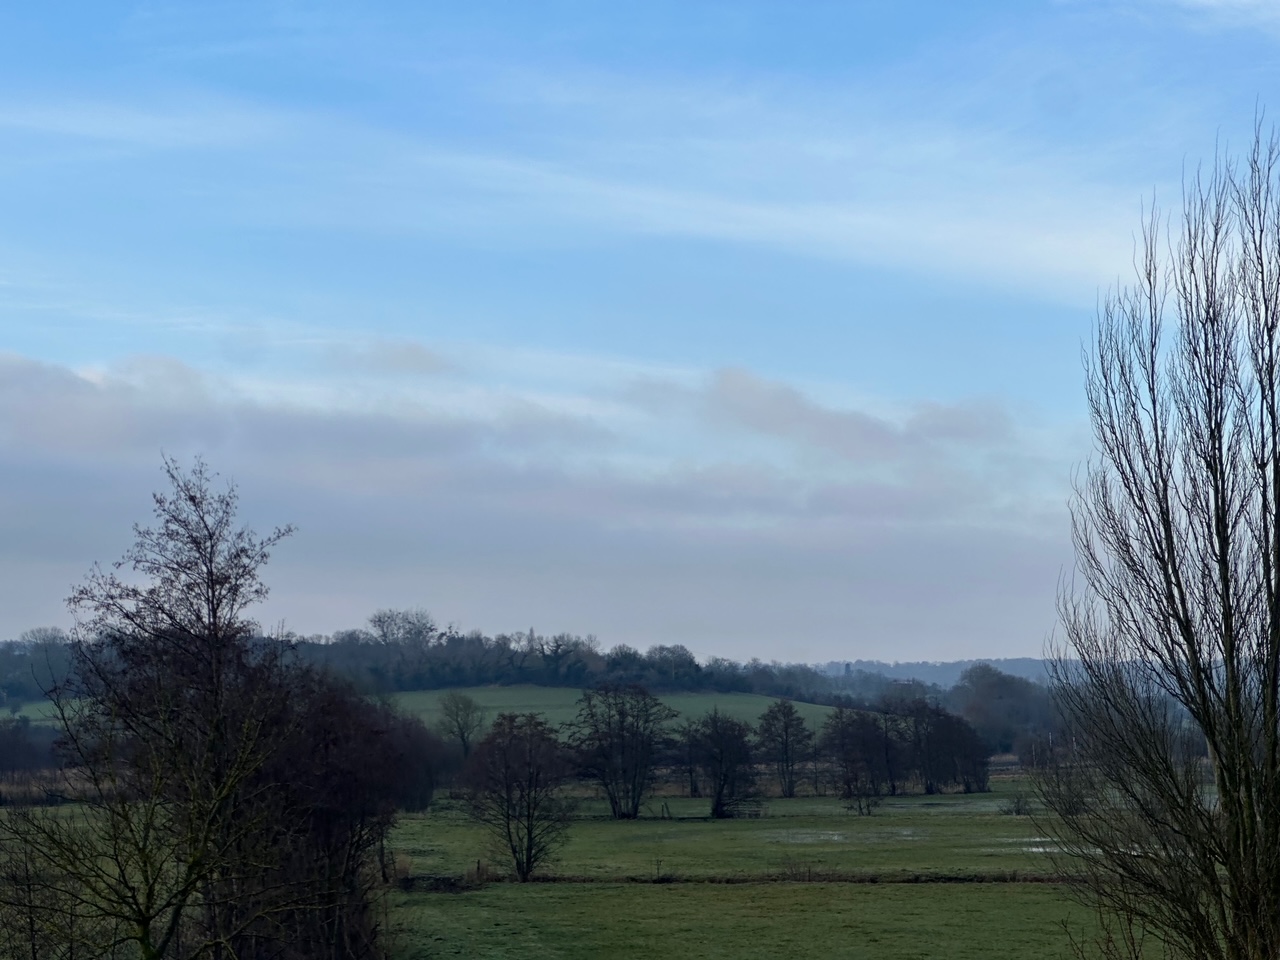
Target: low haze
{"points": [[751, 327]]}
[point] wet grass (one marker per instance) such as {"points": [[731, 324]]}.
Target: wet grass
{"points": [[736, 922], [953, 836], [922, 877]]}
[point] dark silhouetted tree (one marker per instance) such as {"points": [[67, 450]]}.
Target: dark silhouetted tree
{"points": [[724, 751], [515, 780], [462, 719], [852, 742], [616, 739], [785, 741], [1166, 791], [223, 801]]}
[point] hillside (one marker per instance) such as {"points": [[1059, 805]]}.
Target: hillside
{"points": [[559, 704]]}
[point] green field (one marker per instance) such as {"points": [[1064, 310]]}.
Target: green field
{"points": [[574, 921], [923, 877], [37, 711], [942, 837], [559, 704]]}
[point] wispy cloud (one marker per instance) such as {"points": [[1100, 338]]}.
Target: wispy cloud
{"points": [[1261, 9], [195, 121], [1228, 13], [349, 258], [840, 180]]}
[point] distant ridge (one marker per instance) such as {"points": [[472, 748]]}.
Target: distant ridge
{"points": [[944, 674]]}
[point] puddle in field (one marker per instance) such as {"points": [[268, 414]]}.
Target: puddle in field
{"points": [[893, 835], [804, 836], [1026, 845], [1038, 845]]}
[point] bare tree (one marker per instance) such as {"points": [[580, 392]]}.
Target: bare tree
{"points": [[461, 719], [1166, 788], [515, 778], [785, 741], [616, 738], [166, 717], [724, 747], [223, 801], [687, 752], [852, 741]]}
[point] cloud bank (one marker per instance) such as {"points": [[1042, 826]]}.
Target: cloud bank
{"points": [[733, 513]]}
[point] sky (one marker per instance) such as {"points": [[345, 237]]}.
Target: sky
{"points": [[750, 326]]}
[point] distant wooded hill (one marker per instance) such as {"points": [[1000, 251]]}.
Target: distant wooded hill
{"points": [[1006, 700], [939, 673]]}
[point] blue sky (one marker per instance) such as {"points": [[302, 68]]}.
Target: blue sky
{"points": [[751, 326]]}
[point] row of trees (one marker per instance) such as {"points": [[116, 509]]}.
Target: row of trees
{"points": [[624, 738], [404, 648], [407, 650]]}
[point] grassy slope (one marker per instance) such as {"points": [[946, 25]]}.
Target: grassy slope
{"points": [[559, 704]]}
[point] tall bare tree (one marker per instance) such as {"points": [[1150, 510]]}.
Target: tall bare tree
{"points": [[167, 715], [724, 751], [785, 741], [1167, 796], [461, 720], [615, 738], [515, 778], [224, 802], [852, 741]]}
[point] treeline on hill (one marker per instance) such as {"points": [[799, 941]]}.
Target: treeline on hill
{"points": [[859, 755], [403, 650], [628, 745], [406, 650]]}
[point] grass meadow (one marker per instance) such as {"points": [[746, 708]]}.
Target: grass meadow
{"points": [[943, 876], [948, 838], [925, 876], [750, 921]]}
